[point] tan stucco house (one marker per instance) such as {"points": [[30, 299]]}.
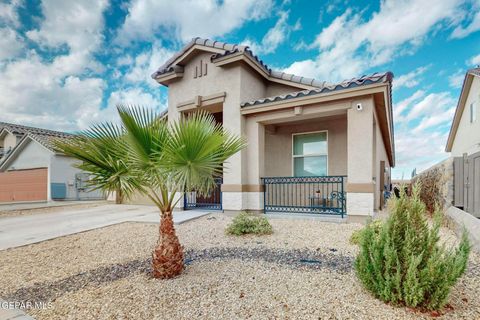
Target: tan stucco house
{"points": [[313, 146], [464, 144]]}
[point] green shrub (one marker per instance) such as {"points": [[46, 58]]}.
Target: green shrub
{"points": [[404, 264], [245, 223], [357, 235]]}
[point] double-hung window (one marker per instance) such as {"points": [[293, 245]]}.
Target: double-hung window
{"points": [[310, 154]]}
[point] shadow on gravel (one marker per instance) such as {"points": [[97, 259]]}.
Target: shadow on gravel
{"points": [[297, 259]]}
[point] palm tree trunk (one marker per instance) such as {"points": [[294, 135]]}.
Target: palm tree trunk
{"points": [[167, 259], [119, 196]]}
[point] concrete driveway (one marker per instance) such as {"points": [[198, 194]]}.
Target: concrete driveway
{"points": [[22, 230]]}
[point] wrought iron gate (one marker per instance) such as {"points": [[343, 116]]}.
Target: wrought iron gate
{"points": [[320, 195], [212, 201]]}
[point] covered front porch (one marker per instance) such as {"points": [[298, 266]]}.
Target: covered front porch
{"points": [[319, 159], [306, 165]]}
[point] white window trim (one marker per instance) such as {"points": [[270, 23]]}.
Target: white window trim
{"points": [[310, 155]]}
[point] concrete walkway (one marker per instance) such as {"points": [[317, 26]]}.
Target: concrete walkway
{"points": [[22, 230], [45, 204]]}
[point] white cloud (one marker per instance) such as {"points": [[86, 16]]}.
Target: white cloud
{"points": [[350, 45], [9, 13], [185, 19], [77, 24], [419, 151], [473, 25], [61, 93], [400, 107], [432, 104], [10, 44], [438, 118], [146, 63], [274, 36], [474, 61], [38, 93], [134, 96], [456, 79], [421, 130], [411, 79]]}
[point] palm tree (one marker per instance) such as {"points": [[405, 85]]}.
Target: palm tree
{"points": [[147, 155], [99, 152]]}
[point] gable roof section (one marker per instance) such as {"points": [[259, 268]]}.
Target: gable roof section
{"points": [[375, 78], [44, 137], [220, 53], [467, 83]]}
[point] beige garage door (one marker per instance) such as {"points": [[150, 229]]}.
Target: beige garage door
{"points": [[23, 185]]}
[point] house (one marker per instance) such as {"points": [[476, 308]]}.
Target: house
{"points": [[32, 170], [464, 144], [313, 147]]}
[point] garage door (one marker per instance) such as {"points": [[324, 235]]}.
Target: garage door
{"points": [[23, 185]]}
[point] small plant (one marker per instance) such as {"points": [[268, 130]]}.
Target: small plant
{"points": [[357, 235], [245, 223], [403, 263]]}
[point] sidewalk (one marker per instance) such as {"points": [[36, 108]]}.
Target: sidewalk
{"points": [[22, 230]]}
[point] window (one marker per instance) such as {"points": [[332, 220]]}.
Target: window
{"points": [[310, 154], [473, 112]]}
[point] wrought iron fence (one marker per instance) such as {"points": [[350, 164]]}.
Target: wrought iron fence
{"points": [[318, 195], [212, 201]]}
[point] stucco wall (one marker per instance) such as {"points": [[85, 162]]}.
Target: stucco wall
{"points": [[467, 139], [62, 170], [9, 141], [275, 89], [32, 156], [278, 146]]}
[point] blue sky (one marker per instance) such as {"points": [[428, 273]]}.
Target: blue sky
{"points": [[65, 64]]}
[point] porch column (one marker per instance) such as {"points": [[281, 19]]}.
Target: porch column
{"points": [[360, 186], [234, 168], [255, 155]]}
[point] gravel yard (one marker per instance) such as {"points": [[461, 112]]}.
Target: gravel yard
{"points": [[303, 271]]}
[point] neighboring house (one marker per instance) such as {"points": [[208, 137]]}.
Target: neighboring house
{"points": [[313, 147], [32, 170], [464, 145]]}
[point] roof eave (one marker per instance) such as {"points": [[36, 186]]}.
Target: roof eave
{"points": [[467, 83], [166, 78]]}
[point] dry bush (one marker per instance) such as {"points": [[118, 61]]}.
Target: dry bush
{"points": [[433, 188]]}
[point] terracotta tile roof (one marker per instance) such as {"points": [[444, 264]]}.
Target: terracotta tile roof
{"points": [[43, 136], [167, 66], [474, 71], [230, 49], [346, 84]]}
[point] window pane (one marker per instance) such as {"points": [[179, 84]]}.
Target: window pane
{"points": [[310, 166], [312, 143]]}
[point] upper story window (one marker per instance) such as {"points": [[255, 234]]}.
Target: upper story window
{"points": [[310, 154], [473, 112]]}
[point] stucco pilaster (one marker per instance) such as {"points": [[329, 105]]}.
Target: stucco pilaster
{"points": [[360, 157]]}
